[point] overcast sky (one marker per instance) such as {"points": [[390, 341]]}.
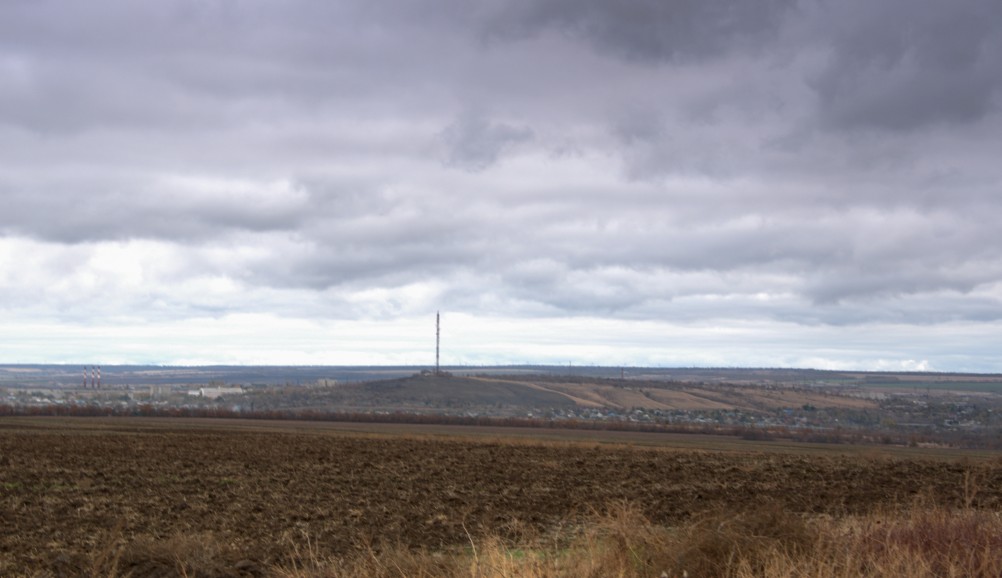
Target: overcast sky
{"points": [[784, 183]]}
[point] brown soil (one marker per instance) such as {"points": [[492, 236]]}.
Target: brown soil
{"points": [[65, 492]]}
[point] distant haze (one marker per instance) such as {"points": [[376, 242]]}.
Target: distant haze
{"points": [[786, 183]]}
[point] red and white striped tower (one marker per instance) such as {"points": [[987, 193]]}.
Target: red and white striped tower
{"points": [[85, 377], [99, 377], [93, 377]]}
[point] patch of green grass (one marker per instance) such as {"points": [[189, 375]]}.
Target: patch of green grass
{"points": [[952, 386]]}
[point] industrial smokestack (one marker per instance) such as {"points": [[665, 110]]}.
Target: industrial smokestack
{"points": [[438, 334]]}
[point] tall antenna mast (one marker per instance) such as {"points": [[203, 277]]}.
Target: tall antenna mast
{"points": [[438, 334]]}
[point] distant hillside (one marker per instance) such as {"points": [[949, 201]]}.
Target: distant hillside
{"points": [[443, 391], [573, 392], [662, 395], [521, 394]]}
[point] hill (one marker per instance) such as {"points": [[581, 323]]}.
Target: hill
{"points": [[524, 394]]}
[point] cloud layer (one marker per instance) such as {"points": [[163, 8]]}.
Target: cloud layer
{"points": [[811, 168]]}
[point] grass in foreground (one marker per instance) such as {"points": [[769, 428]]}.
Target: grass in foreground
{"points": [[923, 542]]}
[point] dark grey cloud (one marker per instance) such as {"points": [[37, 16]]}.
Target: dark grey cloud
{"points": [[649, 30], [903, 65]]}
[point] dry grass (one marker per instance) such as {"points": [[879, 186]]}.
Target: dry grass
{"points": [[764, 542], [619, 542], [191, 556]]}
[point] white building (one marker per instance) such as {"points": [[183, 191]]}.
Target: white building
{"points": [[216, 392]]}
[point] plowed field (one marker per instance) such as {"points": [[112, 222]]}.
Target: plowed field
{"points": [[65, 490]]}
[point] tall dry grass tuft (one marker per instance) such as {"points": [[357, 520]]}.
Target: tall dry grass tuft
{"points": [[618, 542], [719, 543], [106, 560], [934, 542], [923, 543], [486, 557], [185, 556]]}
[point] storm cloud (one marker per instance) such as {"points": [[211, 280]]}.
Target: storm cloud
{"points": [[670, 171]]}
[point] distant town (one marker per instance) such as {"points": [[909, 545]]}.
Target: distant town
{"points": [[962, 410]]}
